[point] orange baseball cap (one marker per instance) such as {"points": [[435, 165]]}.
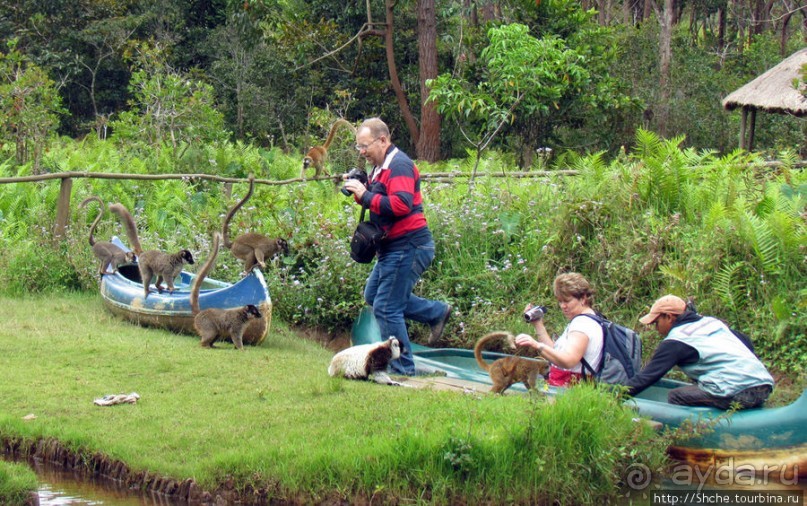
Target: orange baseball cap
{"points": [[669, 304]]}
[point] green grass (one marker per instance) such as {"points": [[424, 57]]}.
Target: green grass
{"points": [[17, 482], [271, 417]]}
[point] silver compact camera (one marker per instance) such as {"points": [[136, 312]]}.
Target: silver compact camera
{"points": [[534, 314]]}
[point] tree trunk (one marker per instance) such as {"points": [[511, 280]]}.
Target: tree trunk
{"points": [[403, 104], [603, 12], [665, 59], [784, 36], [470, 9], [740, 19], [486, 13], [428, 146]]}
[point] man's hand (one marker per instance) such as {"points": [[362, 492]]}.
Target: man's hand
{"points": [[356, 187]]}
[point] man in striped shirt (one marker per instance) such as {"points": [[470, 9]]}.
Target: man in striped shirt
{"points": [[393, 198]]}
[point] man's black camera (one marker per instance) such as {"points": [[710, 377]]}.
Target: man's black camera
{"points": [[534, 314], [358, 174]]}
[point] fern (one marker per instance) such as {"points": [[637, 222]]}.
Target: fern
{"points": [[592, 184], [647, 144], [716, 217], [789, 231], [764, 244], [766, 206], [726, 288], [788, 158], [679, 278]]}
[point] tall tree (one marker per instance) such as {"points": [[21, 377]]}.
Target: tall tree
{"points": [[234, 67], [665, 19], [426, 139], [521, 75], [428, 146], [105, 40], [386, 33]]}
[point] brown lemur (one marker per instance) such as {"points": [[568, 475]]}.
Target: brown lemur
{"points": [[251, 248], [166, 266], [106, 252], [213, 324], [318, 155], [128, 223], [507, 371]]}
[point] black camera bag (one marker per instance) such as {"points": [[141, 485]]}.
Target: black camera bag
{"points": [[366, 240]]}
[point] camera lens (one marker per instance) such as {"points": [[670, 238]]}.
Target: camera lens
{"points": [[535, 313]]}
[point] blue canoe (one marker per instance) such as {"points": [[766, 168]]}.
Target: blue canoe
{"points": [[122, 294], [770, 441]]}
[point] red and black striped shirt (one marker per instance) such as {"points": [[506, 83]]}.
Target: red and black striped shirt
{"points": [[394, 198]]}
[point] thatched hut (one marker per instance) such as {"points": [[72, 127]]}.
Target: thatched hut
{"points": [[777, 90]]}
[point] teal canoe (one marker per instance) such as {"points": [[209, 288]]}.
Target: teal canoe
{"points": [[122, 294], [770, 441]]}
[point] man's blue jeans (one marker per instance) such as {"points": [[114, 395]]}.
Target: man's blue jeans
{"points": [[389, 292]]}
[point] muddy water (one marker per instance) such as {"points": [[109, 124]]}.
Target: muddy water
{"points": [[58, 487]]}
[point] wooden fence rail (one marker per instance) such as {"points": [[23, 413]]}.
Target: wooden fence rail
{"points": [[66, 187]]}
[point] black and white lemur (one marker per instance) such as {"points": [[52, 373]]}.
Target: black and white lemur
{"points": [[365, 360]]}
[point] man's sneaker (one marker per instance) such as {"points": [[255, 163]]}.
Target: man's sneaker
{"points": [[437, 328]]}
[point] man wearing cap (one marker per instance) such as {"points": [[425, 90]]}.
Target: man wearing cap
{"points": [[720, 360]]}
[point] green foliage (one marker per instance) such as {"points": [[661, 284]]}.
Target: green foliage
{"points": [[318, 283], [272, 63], [598, 112], [17, 483], [660, 219], [730, 285], [520, 75], [168, 108], [36, 267], [29, 105], [701, 76]]}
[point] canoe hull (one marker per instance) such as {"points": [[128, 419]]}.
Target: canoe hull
{"points": [[786, 465], [123, 296]]}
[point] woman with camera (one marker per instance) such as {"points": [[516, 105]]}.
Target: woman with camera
{"points": [[581, 339]]}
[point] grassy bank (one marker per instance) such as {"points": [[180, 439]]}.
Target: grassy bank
{"points": [[270, 417], [17, 483]]}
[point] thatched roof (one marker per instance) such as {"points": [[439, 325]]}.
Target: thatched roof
{"points": [[773, 91]]}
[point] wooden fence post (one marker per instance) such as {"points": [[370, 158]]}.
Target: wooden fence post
{"points": [[63, 207], [743, 122]]}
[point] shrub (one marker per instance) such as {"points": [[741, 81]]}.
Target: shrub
{"points": [[17, 483], [36, 267]]}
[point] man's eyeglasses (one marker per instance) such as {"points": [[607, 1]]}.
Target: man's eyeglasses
{"points": [[362, 147]]}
